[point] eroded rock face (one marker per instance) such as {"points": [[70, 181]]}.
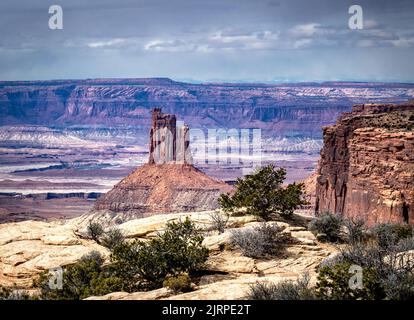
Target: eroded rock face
{"points": [[366, 168]]}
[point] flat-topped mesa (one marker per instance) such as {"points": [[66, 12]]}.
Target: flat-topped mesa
{"points": [[366, 169], [380, 108], [169, 143]]}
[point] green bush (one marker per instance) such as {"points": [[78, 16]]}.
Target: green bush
{"points": [[147, 264], [399, 286], [80, 280], [13, 293], [136, 265], [285, 290], [333, 284], [263, 241], [389, 234], [327, 227], [112, 238], [179, 283], [405, 244], [95, 231], [388, 272], [356, 231], [261, 193]]}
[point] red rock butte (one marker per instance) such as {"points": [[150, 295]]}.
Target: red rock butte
{"points": [[169, 182], [366, 169]]}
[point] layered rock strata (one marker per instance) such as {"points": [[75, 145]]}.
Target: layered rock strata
{"points": [[294, 108], [366, 168]]}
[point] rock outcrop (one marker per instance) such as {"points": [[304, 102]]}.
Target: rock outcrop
{"points": [[366, 168], [168, 183], [31, 247]]}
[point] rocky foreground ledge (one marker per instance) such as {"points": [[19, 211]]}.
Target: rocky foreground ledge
{"points": [[28, 248]]}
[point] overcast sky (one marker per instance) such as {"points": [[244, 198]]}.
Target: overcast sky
{"points": [[210, 40]]}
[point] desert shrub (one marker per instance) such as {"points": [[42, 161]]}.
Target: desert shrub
{"points": [[327, 227], [356, 231], [80, 280], [389, 234], [399, 286], [261, 193], [261, 291], [95, 231], [334, 284], [406, 244], [147, 264], [112, 238], [13, 293], [179, 283], [219, 220], [388, 272], [262, 241], [285, 290], [136, 265]]}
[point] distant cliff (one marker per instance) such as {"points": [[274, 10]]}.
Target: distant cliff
{"points": [[366, 168], [286, 107]]}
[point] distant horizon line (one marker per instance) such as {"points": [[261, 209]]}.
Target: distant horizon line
{"points": [[218, 81]]}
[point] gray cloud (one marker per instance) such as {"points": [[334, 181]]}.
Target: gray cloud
{"points": [[261, 40]]}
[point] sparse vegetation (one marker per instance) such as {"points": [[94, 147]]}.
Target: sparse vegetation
{"points": [[263, 241], [85, 278], [219, 220], [262, 194], [285, 290], [334, 284], [112, 238], [147, 264], [389, 234], [179, 283], [136, 265], [95, 231], [387, 264], [357, 231], [13, 294], [327, 227]]}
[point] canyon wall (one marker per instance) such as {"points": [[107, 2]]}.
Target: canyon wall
{"points": [[366, 168], [295, 108]]}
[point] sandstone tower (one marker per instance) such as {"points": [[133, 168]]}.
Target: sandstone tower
{"points": [[168, 143], [167, 183]]}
